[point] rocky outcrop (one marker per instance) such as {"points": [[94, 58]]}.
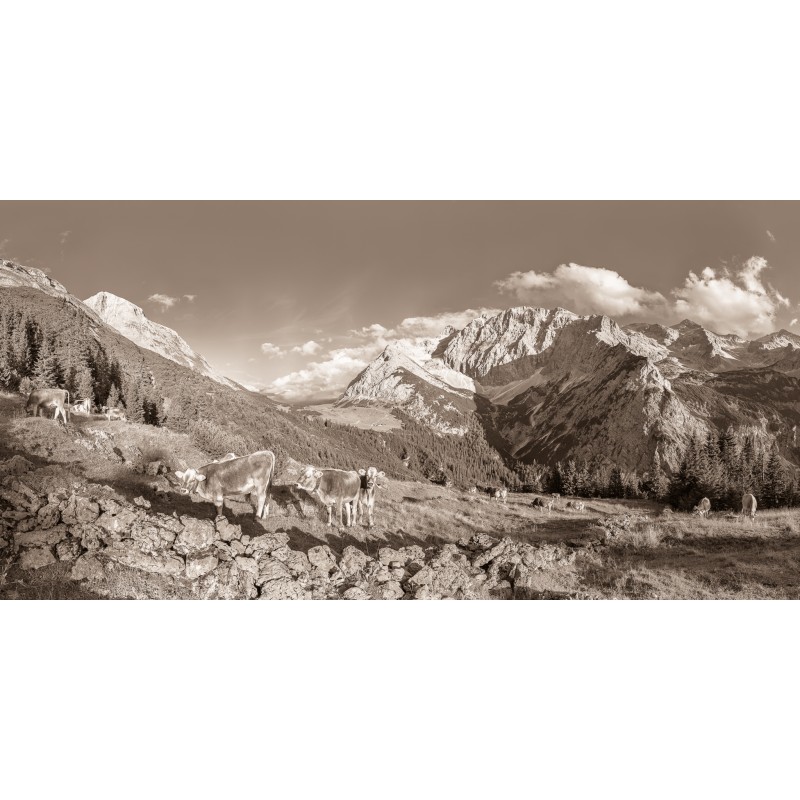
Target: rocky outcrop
{"points": [[118, 548]]}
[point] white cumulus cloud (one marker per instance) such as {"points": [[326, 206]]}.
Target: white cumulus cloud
{"points": [[793, 322], [310, 348], [163, 300], [728, 301], [319, 379], [272, 350], [190, 298], [584, 290]]}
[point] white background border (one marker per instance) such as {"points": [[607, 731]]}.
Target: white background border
{"points": [[387, 100]]}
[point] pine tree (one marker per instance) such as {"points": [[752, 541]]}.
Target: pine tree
{"points": [[113, 400], [46, 370], [616, 484]]}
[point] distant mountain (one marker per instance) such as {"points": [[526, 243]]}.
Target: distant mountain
{"points": [[549, 385], [130, 321]]}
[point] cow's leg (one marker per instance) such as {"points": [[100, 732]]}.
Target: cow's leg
{"points": [[330, 515], [261, 501]]}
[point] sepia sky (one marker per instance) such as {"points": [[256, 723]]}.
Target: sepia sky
{"points": [[298, 297]]}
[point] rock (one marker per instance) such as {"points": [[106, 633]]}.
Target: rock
{"points": [[152, 468], [36, 558], [296, 561], [234, 583], [80, 511], [284, 589], [91, 538], [118, 523], [196, 536], [237, 548], [353, 562], [268, 542], [128, 554], [87, 567], [68, 549], [322, 558], [141, 502], [391, 590], [41, 538], [354, 593], [48, 516], [247, 564], [272, 570], [245, 539], [197, 566], [226, 530], [387, 554]]}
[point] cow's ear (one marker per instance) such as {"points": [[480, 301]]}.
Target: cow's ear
{"points": [[199, 478], [381, 474], [179, 475], [362, 471]]}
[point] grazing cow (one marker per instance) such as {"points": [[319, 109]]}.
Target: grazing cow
{"points": [[366, 496], [749, 506], [703, 508], [537, 502], [500, 494], [578, 505], [220, 479], [41, 399], [83, 406], [333, 487], [116, 413]]}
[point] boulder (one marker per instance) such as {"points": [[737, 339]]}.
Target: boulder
{"points": [[226, 530], [36, 558], [234, 583], [267, 543], [271, 570], [41, 538], [141, 502], [354, 593], [79, 511], [353, 562], [128, 554], [322, 558], [197, 566], [284, 589], [247, 564], [48, 516], [391, 590], [152, 468], [68, 549], [196, 536]]}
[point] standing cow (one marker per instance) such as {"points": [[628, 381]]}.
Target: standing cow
{"points": [[41, 399], [366, 496], [500, 494], [703, 508], [749, 506], [333, 487], [220, 479]]}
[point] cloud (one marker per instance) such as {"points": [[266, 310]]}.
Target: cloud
{"points": [[793, 323], [190, 297], [771, 236], [736, 302], [330, 376], [310, 348], [164, 300], [272, 350], [318, 379], [584, 290], [63, 236]]}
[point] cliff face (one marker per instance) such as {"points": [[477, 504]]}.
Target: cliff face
{"points": [[132, 323], [552, 385]]}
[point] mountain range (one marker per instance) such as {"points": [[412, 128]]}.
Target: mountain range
{"points": [[545, 385], [548, 385]]}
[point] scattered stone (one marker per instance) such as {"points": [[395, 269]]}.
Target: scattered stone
{"points": [[87, 567], [197, 566], [354, 593], [141, 502], [68, 549], [41, 538], [196, 536]]}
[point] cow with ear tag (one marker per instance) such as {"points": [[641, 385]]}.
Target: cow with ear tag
{"points": [[332, 487], [247, 475], [366, 496]]}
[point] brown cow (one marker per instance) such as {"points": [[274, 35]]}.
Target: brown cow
{"points": [[749, 506], [703, 508], [41, 399], [333, 487], [220, 479], [366, 496]]}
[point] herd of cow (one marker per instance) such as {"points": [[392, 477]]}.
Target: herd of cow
{"points": [[749, 506], [57, 400], [351, 492]]}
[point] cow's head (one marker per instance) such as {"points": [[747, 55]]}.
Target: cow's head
{"points": [[309, 479], [369, 478], [189, 480]]}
